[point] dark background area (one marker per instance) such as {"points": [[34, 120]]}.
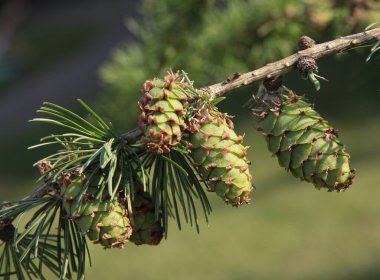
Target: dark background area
{"points": [[55, 50]]}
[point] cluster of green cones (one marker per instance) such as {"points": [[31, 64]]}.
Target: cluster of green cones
{"points": [[182, 125], [173, 113], [108, 221], [176, 119], [304, 143]]}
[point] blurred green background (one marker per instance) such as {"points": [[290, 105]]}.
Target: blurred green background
{"points": [[291, 230]]}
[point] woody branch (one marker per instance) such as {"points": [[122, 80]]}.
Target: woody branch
{"points": [[288, 64]]}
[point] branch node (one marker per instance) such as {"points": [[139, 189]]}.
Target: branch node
{"points": [[305, 42], [305, 64], [5, 222], [132, 136], [231, 78], [355, 41]]}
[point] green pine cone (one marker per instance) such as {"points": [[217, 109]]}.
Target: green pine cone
{"points": [[303, 141], [146, 229], [221, 159], [162, 109], [104, 221]]}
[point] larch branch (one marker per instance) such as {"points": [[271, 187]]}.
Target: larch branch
{"points": [[280, 67], [287, 64]]}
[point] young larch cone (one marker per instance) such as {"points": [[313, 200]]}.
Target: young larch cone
{"points": [[304, 143], [162, 109], [104, 221], [221, 159], [146, 229]]}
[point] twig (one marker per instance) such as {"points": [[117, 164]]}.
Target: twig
{"points": [[279, 68], [287, 64], [43, 190], [132, 136]]}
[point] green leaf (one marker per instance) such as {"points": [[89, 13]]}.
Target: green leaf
{"points": [[55, 122], [111, 173], [374, 49], [91, 159], [179, 167], [96, 116], [106, 154], [218, 100], [75, 136], [76, 118], [372, 25], [82, 124]]}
